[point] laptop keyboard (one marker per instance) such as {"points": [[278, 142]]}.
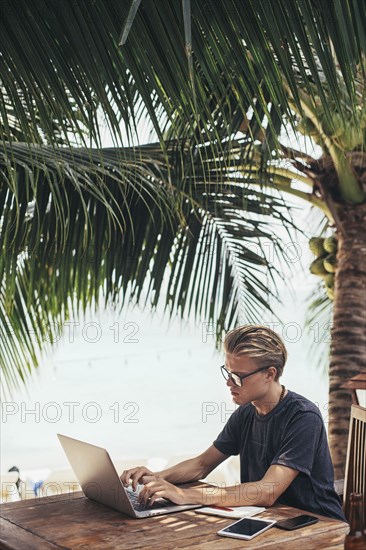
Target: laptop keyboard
{"points": [[140, 507]]}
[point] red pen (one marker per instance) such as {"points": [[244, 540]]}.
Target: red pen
{"points": [[222, 508]]}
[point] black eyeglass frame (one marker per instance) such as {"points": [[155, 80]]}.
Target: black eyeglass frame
{"points": [[235, 377]]}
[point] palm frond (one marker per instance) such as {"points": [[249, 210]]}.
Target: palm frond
{"points": [[240, 53], [60, 64], [84, 226], [247, 50]]}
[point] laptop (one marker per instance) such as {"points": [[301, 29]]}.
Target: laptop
{"points": [[100, 481]]}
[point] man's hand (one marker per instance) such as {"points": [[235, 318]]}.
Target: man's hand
{"points": [[135, 475], [156, 487]]}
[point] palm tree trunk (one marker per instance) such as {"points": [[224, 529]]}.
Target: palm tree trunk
{"points": [[348, 344]]}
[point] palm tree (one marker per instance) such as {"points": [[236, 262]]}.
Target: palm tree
{"points": [[221, 83]]}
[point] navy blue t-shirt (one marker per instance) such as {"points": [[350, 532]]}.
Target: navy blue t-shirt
{"points": [[292, 434]]}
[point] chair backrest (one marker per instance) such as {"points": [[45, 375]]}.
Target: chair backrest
{"points": [[355, 475]]}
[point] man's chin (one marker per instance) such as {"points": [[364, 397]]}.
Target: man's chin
{"points": [[238, 400], [235, 397]]}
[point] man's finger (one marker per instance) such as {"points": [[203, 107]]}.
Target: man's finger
{"points": [[126, 476], [147, 478], [133, 473], [135, 480], [158, 494], [144, 496], [150, 490]]}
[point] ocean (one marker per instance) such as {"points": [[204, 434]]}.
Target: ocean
{"points": [[140, 386]]}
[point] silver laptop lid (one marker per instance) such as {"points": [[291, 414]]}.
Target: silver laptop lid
{"points": [[100, 481], [96, 474]]}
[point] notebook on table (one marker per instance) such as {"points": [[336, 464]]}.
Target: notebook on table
{"points": [[100, 481], [231, 511]]}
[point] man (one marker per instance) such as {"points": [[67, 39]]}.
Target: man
{"points": [[280, 436]]}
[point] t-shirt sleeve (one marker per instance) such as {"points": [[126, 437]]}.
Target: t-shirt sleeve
{"points": [[227, 441], [300, 442]]}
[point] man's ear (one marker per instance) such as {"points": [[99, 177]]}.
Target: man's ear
{"points": [[271, 373]]}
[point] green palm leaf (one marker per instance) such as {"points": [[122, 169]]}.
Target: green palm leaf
{"points": [[73, 55], [86, 226]]}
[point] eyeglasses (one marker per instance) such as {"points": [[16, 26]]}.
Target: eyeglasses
{"points": [[238, 378]]}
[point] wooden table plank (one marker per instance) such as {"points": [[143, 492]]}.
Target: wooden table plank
{"points": [[12, 536], [75, 522]]}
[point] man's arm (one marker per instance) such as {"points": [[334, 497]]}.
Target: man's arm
{"points": [[195, 468], [264, 492], [188, 470]]}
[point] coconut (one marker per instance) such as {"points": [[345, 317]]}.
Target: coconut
{"points": [[330, 245], [337, 125], [317, 267], [316, 245], [307, 127], [329, 280], [330, 263], [326, 123]]}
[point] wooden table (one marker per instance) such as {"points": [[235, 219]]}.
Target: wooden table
{"points": [[72, 521]]}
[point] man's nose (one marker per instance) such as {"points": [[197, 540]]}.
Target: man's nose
{"points": [[230, 382]]}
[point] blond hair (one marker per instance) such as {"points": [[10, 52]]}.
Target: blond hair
{"points": [[260, 343]]}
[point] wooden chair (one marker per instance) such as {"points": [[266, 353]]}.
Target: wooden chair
{"points": [[355, 475], [356, 383]]}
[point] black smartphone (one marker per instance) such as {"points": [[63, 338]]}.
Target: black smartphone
{"points": [[246, 528], [296, 522]]}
